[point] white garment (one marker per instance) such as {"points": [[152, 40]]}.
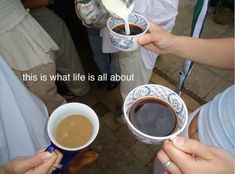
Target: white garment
{"points": [[216, 121], [162, 12], [23, 118], [24, 44]]}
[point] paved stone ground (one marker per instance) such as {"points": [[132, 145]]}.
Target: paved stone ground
{"points": [[119, 152], [204, 82]]}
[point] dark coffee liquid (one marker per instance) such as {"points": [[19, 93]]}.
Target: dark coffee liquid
{"points": [[153, 116], [134, 29]]}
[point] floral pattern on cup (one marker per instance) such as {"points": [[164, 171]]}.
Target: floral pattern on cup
{"points": [[126, 42], [161, 92]]}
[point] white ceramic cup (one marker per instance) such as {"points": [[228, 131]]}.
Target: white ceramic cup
{"points": [[162, 93], [127, 42], [67, 110]]}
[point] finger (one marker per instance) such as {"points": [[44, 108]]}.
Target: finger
{"points": [[179, 157], [162, 156], [152, 47], [193, 147], [59, 156], [148, 41], [30, 162], [44, 168], [148, 38], [58, 159]]}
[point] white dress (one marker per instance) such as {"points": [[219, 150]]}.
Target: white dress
{"points": [[24, 44], [23, 118]]}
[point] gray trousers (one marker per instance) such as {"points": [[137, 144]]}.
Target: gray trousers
{"points": [[67, 60], [131, 63], [45, 90]]}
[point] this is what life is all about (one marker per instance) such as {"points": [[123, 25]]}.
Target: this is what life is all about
{"points": [[75, 77]]}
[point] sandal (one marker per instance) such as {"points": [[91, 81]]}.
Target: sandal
{"points": [[69, 96]]}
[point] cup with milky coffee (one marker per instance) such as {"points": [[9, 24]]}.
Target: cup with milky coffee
{"points": [[155, 113], [72, 127]]}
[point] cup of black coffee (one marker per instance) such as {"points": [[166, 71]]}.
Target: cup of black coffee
{"points": [[138, 25], [155, 113]]}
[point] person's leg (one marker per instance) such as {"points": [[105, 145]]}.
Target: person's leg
{"points": [[107, 63], [45, 90], [114, 64], [67, 60], [131, 64], [113, 70], [102, 59]]}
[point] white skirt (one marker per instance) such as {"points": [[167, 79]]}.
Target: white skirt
{"points": [[27, 45]]}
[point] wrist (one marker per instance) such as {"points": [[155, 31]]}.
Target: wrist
{"points": [[172, 44], [176, 45]]}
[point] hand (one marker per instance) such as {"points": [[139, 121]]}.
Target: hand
{"points": [[40, 163], [191, 157], [89, 14], [157, 39]]}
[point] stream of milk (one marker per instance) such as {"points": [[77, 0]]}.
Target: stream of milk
{"points": [[119, 8]]}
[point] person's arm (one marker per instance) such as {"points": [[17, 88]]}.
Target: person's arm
{"points": [[214, 52], [31, 4], [192, 157]]}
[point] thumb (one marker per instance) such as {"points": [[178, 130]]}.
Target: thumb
{"points": [[192, 147], [30, 162], [152, 35], [147, 38]]}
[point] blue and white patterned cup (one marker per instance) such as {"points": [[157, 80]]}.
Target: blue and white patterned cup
{"points": [[127, 42], [162, 93]]}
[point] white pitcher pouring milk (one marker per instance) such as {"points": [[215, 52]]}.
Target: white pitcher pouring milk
{"points": [[96, 12], [121, 9], [120, 28]]}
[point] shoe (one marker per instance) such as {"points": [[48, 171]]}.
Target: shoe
{"points": [[68, 97], [111, 85], [82, 160]]}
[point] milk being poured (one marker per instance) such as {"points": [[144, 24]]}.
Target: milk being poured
{"points": [[120, 9]]}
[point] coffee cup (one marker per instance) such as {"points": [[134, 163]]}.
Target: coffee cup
{"points": [[155, 113], [78, 115], [116, 26], [74, 115]]}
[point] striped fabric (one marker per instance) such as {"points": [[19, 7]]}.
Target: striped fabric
{"points": [[199, 16]]}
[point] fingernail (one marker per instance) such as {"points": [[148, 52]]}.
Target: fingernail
{"points": [[178, 141], [167, 141], [45, 156]]}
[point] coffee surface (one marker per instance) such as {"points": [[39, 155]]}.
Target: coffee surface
{"points": [[134, 29], [73, 131], [153, 116]]}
